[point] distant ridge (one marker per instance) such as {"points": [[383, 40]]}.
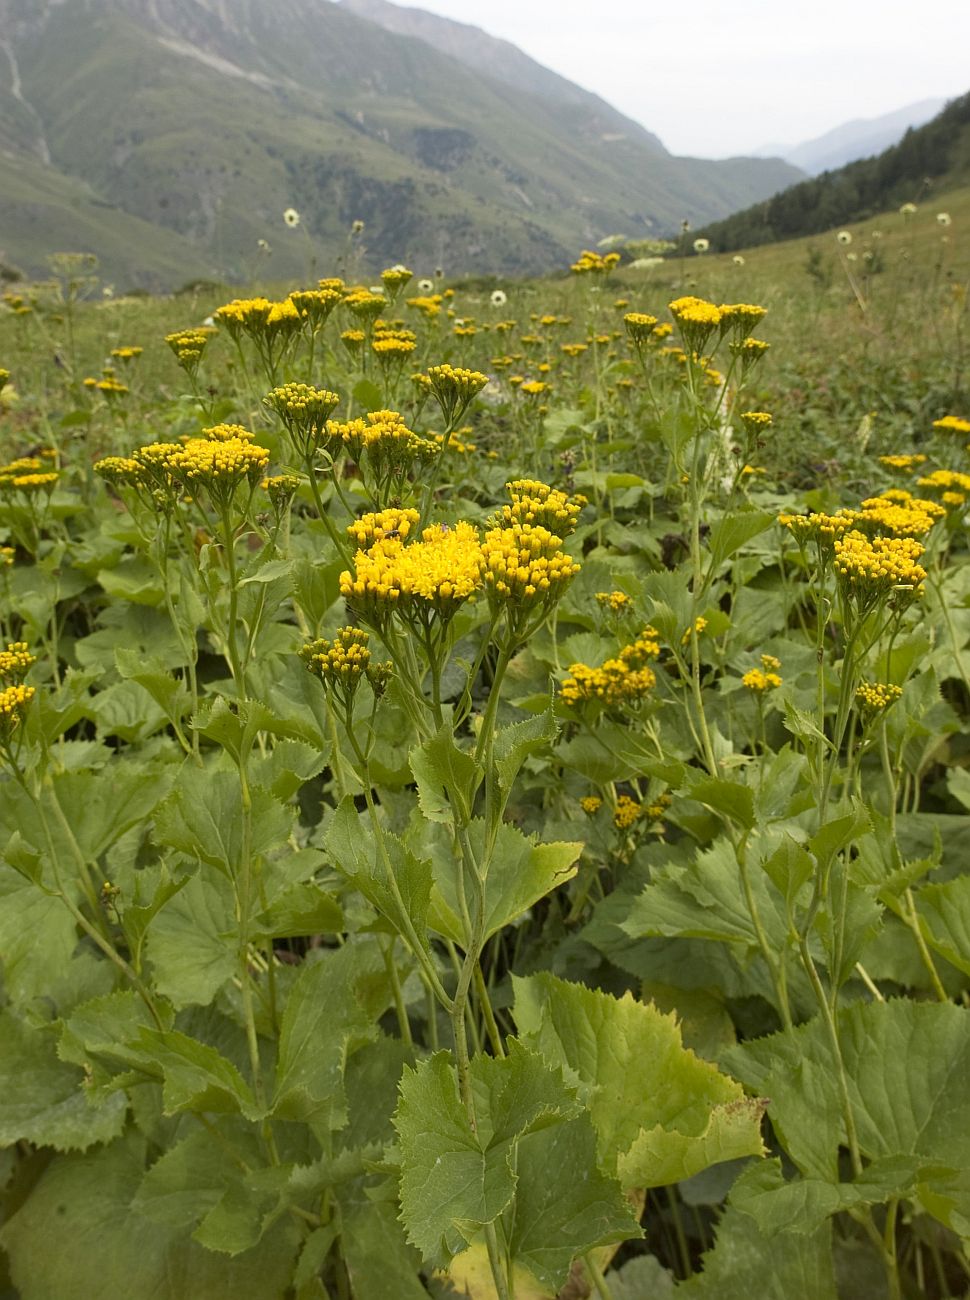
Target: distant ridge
{"points": [[929, 160], [860, 138], [206, 119]]}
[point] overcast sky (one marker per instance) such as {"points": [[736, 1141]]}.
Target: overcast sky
{"points": [[720, 77]]}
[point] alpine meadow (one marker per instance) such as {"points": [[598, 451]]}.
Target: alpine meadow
{"points": [[484, 754]]}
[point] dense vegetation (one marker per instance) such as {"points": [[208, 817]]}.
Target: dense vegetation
{"points": [[483, 783], [928, 160]]}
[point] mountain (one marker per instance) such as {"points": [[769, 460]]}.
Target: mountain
{"points": [[929, 161], [206, 119], [861, 138]]}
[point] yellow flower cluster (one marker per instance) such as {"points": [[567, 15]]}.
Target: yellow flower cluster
{"points": [[748, 351], [953, 486], [698, 629], [220, 462], [525, 570], [877, 696], [820, 528], [13, 706], [590, 263], [453, 388], [281, 489], [952, 424], [4, 378], [591, 804], [629, 811], [759, 681], [617, 602], [755, 421], [127, 353], [314, 306], [395, 278], [27, 476], [364, 305], [536, 503], [188, 346], [640, 327], [910, 518], [433, 576], [395, 523], [15, 661], [226, 433], [7, 556], [902, 462], [382, 444], [697, 320], [870, 568], [623, 680], [341, 663], [429, 307], [304, 412], [740, 317], [259, 319]]}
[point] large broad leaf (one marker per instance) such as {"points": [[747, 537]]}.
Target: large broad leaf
{"points": [[327, 1016], [660, 1113], [944, 913], [704, 900], [190, 944], [745, 1263], [42, 1099], [908, 1071], [203, 818], [520, 872], [455, 1178], [38, 937], [106, 1247], [376, 867], [735, 530]]}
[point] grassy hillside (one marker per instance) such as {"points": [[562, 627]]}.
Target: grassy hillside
{"points": [[210, 121], [928, 161]]}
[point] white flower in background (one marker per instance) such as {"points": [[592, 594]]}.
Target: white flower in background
{"points": [[645, 263], [701, 245], [499, 298], [844, 237], [426, 286], [291, 217], [943, 219], [737, 259], [908, 210]]}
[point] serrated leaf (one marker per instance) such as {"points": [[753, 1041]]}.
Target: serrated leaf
{"points": [[195, 1076], [447, 777], [325, 1018], [520, 872], [730, 798], [106, 1248], [745, 1263], [358, 855], [735, 530], [564, 1206], [302, 909], [455, 1179], [43, 1098], [514, 744], [908, 1071], [203, 818], [660, 1113], [944, 914], [190, 945], [704, 900]]}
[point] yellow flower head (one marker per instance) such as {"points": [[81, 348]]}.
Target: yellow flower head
{"points": [[952, 424], [591, 804], [315, 306], [304, 412], [13, 708], [537, 503], [870, 569], [902, 462], [454, 388], [525, 570], [15, 661], [759, 681], [395, 523], [876, 697], [696, 319], [341, 663], [591, 263]]}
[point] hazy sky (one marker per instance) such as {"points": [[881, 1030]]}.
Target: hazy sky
{"points": [[717, 77]]}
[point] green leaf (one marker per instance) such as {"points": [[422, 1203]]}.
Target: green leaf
{"points": [[564, 1206], [302, 909], [43, 1098], [195, 1076], [660, 1113], [456, 1179], [704, 900], [789, 868], [515, 743], [203, 818], [735, 530], [190, 945], [908, 1071], [944, 915], [37, 938], [746, 1263], [105, 1247], [729, 798], [440, 766], [326, 1018], [358, 855], [380, 1263], [367, 395], [520, 872], [136, 919]]}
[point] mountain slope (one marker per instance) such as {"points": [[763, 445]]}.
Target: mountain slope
{"points": [[929, 160], [210, 117], [860, 138]]}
